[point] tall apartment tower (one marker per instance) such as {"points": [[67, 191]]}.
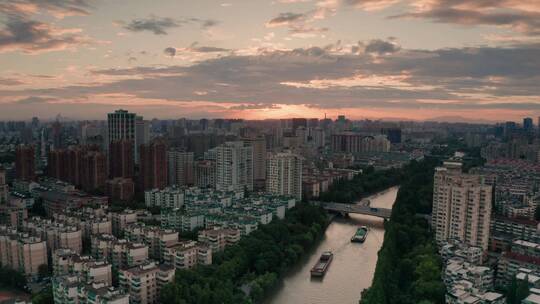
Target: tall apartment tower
{"points": [[461, 206], [57, 164], [4, 189], [528, 124], [258, 145], [142, 134], [121, 125], [25, 163], [153, 165], [284, 174], [205, 173], [93, 171], [180, 166], [234, 166], [121, 163]]}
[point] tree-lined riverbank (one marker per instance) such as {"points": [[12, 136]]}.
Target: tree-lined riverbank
{"points": [[409, 268]]}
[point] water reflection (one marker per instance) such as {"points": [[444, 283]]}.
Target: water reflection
{"points": [[353, 265]]}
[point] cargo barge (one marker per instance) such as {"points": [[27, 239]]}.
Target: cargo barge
{"points": [[360, 235], [322, 264]]}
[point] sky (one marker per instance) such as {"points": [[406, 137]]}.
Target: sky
{"points": [[477, 60]]}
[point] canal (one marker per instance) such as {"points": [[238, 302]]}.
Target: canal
{"points": [[353, 265]]}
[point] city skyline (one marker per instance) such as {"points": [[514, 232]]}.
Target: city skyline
{"points": [[391, 59]]}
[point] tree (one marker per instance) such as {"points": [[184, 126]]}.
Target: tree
{"points": [[511, 292], [522, 289], [43, 297]]}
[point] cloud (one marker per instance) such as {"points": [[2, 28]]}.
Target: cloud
{"points": [[260, 106], [372, 5], [170, 51], [10, 81], [209, 23], [298, 24], [195, 49], [57, 8], [285, 19], [33, 100], [479, 78], [381, 47], [205, 49], [520, 16], [156, 25], [293, 1], [34, 37], [161, 25]]}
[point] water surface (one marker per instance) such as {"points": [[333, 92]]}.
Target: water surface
{"points": [[353, 265]]}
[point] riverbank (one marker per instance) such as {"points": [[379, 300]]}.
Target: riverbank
{"points": [[247, 271], [352, 268], [409, 269], [362, 185], [250, 270]]}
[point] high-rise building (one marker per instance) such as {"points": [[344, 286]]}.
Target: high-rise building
{"points": [[205, 173], [509, 128], [57, 135], [90, 131], [121, 162], [461, 206], [82, 166], [120, 189], [349, 142], [121, 126], [258, 145], [142, 134], [153, 165], [180, 166], [528, 124], [74, 164], [4, 188], [25, 163], [393, 135], [57, 161], [93, 171], [284, 174], [299, 122], [234, 166]]}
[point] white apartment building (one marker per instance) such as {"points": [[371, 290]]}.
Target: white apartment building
{"points": [[89, 270], [155, 238], [234, 166], [120, 220], [461, 206], [218, 239], [100, 293], [284, 174], [204, 174], [144, 282], [188, 254], [170, 197], [22, 252], [58, 235]]}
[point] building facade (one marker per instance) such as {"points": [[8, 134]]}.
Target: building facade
{"points": [[461, 206], [284, 175], [234, 166]]}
